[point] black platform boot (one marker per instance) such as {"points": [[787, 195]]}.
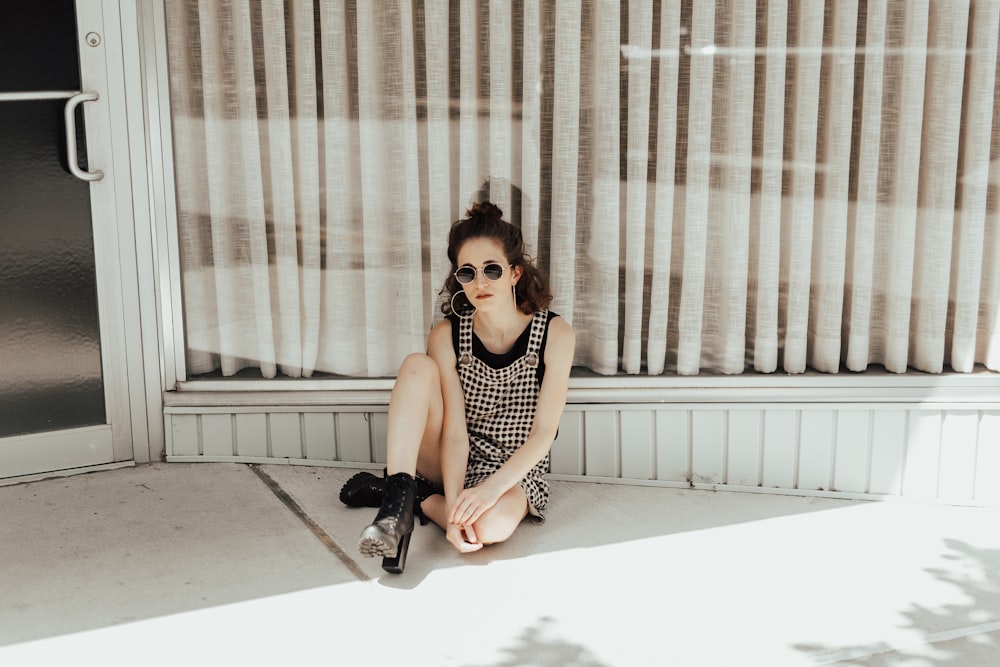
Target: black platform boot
{"points": [[389, 535], [363, 490]]}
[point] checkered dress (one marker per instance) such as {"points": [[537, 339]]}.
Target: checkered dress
{"points": [[500, 409]]}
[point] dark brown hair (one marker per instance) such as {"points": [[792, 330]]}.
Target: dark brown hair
{"points": [[485, 220]]}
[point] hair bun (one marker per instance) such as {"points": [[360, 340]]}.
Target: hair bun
{"points": [[485, 209]]}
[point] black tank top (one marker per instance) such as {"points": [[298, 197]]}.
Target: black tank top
{"points": [[518, 350]]}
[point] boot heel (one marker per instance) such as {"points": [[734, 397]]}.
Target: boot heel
{"points": [[395, 564], [390, 532]]}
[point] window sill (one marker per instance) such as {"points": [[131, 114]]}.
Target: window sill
{"points": [[981, 387]]}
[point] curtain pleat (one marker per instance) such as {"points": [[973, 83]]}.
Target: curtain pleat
{"points": [[640, 30], [566, 150], [859, 284], [390, 219], [729, 239], [711, 187], [974, 177], [531, 126], [343, 277], [191, 179], [698, 189], [281, 212], [905, 125], [500, 103], [829, 249], [306, 154], [766, 218], [948, 26], [441, 204], [468, 149], [235, 192], [799, 214], [598, 208], [658, 264], [988, 333]]}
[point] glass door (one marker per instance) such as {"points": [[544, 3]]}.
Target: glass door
{"points": [[61, 387]]}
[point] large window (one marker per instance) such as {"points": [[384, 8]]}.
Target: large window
{"points": [[731, 187]]}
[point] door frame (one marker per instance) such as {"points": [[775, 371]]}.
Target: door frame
{"points": [[124, 262]]}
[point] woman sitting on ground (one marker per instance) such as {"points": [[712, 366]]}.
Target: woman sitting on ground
{"points": [[471, 422]]}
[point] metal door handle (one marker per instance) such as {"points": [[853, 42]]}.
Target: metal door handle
{"points": [[69, 114]]}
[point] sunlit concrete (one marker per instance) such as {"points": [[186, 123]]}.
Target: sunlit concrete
{"points": [[186, 563]]}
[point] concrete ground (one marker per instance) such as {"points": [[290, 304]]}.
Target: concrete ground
{"points": [[232, 564]]}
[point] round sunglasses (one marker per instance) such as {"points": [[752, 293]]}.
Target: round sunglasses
{"points": [[492, 271]]}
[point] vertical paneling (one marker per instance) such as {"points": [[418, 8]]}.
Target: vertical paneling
{"points": [[988, 459], [888, 452], [816, 450], [601, 448], [319, 437], [637, 445], [251, 435], [957, 474], [354, 437], [744, 447], [708, 453], [217, 435], [852, 454], [780, 439], [951, 455], [923, 450], [673, 446], [379, 431], [286, 435], [184, 435], [567, 451]]}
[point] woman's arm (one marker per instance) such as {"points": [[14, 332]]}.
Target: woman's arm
{"points": [[551, 402]]}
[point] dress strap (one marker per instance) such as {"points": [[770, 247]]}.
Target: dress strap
{"points": [[536, 336], [464, 341]]}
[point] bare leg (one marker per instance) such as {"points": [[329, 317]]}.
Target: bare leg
{"points": [[416, 411]]}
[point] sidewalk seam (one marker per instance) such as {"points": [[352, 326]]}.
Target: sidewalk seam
{"points": [[313, 527]]}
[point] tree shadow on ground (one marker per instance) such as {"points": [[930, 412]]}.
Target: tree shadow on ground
{"points": [[536, 647], [953, 635]]}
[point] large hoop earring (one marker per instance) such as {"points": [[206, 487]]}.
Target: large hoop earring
{"points": [[468, 311]]}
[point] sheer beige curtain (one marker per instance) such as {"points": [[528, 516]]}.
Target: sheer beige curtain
{"points": [[755, 185]]}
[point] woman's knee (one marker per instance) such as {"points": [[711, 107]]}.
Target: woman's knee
{"points": [[502, 520], [420, 365], [493, 530]]}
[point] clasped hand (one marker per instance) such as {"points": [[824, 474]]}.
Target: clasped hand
{"points": [[468, 507]]}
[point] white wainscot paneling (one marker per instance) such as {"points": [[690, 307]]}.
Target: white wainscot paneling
{"points": [[566, 457], [217, 435], [852, 451], [673, 445], [285, 432], [987, 486], [708, 456], [888, 452], [319, 434], [923, 453], [957, 465], [602, 445], [948, 454], [744, 456], [815, 449], [781, 434], [354, 436], [637, 444]]}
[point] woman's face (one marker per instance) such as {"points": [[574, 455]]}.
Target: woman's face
{"points": [[483, 293]]}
